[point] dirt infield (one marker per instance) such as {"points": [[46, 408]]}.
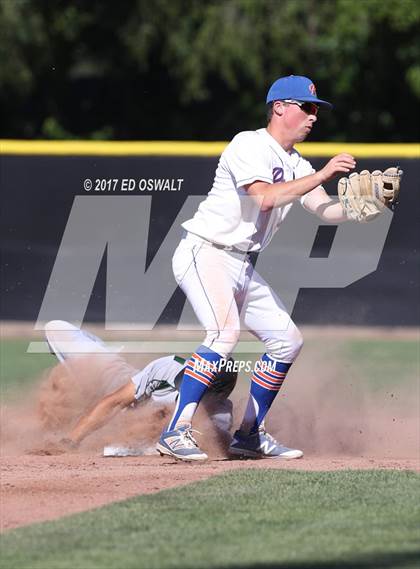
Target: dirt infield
{"points": [[39, 488]]}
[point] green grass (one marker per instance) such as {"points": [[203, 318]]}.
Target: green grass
{"points": [[247, 518], [18, 368], [383, 362]]}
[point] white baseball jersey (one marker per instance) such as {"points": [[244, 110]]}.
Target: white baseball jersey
{"points": [[160, 374], [229, 216]]}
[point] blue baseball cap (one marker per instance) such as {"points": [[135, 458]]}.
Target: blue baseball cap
{"points": [[297, 88]]}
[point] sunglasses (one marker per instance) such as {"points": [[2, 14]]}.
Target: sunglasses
{"points": [[308, 108]]}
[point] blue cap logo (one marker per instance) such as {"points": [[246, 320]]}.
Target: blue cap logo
{"points": [[295, 87]]}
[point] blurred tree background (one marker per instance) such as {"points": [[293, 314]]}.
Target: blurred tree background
{"points": [[200, 69]]}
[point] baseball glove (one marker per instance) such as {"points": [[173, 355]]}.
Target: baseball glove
{"points": [[364, 196]]}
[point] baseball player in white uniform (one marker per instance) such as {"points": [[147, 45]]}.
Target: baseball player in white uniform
{"points": [[259, 177], [124, 386]]}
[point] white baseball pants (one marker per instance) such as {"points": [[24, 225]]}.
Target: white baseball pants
{"points": [[228, 295]]}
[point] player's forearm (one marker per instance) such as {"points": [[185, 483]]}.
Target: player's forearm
{"points": [[283, 193], [280, 194], [99, 415], [331, 212]]}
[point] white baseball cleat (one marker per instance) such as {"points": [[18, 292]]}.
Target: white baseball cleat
{"points": [[180, 444], [260, 445]]}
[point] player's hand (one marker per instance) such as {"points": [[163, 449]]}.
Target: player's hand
{"points": [[341, 163], [51, 447]]}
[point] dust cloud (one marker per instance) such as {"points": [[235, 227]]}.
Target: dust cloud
{"points": [[324, 409]]}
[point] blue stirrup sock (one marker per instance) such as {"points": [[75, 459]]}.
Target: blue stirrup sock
{"points": [[198, 376], [267, 379]]}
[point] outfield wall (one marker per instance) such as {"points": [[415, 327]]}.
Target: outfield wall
{"points": [[40, 180]]}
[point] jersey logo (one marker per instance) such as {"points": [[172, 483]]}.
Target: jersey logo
{"points": [[312, 89], [278, 175]]}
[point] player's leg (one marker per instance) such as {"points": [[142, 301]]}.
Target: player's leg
{"points": [[266, 317], [67, 341], [216, 403], [156, 380], [208, 277], [76, 349], [208, 280]]}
